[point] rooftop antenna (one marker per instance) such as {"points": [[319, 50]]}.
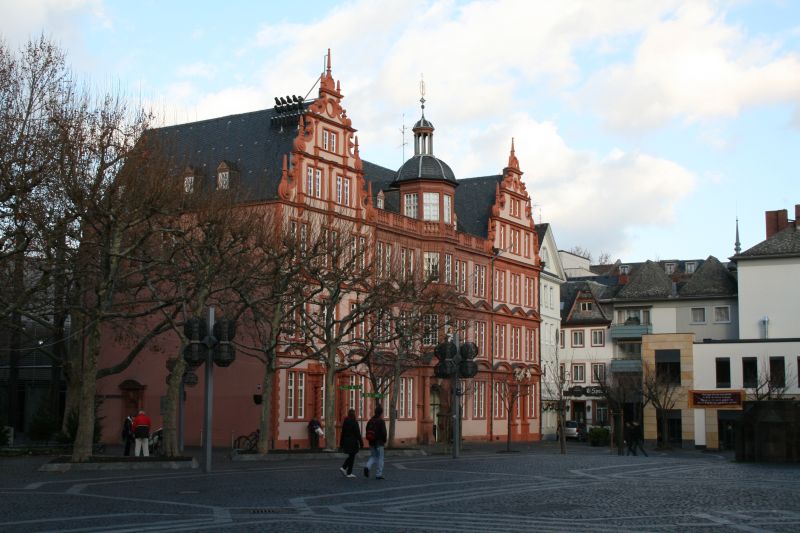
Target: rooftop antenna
{"points": [[404, 143]]}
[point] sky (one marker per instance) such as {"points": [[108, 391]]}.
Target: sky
{"points": [[643, 128]]}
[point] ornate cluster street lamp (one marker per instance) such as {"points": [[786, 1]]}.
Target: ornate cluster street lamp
{"points": [[210, 349], [456, 362]]}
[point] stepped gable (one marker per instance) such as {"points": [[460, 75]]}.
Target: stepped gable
{"points": [[785, 243], [648, 281], [254, 143], [711, 279]]}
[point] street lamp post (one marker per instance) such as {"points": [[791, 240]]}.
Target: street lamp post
{"points": [[214, 348]]}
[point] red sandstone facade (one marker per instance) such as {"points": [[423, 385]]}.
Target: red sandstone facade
{"points": [[496, 277]]}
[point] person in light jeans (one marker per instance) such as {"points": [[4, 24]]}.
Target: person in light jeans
{"points": [[376, 435]]}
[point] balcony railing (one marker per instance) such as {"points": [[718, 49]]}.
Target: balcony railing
{"points": [[630, 331]]}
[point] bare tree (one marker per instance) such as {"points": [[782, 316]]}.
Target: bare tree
{"points": [[620, 389], [604, 259], [770, 385], [661, 389], [581, 251], [554, 383], [513, 387]]}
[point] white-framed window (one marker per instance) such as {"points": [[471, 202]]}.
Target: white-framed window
{"points": [[530, 344], [479, 283], [407, 262], [325, 139], [530, 292], [563, 337], [317, 183], [502, 236], [530, 401], [669, 268], [480, 337], [430, 206], [578, 373], [431, 260], [516, 343], [478, 399], [310, 181], [329, 141], [500, 340], [333, 142], [448, 217], [577, 338], [624, 269], [598, 337], [448, 268], [405, 409], [188, 184], [515, 249], [223, 180], [598, 372], [411, 205], [586, 306], [515, 288], [295, 394], [691, 266], [499, 400], [500, 285], [514, 207], [722, 314], [431, 324], [527, 241], [698, 315]]}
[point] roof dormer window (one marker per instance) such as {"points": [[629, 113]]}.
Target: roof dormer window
{"points": [[691, 266], [669, 268], [625, 270], [188, 184], [223, 180]]}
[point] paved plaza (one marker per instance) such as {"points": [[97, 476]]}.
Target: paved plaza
{"points": [[535, 489]]}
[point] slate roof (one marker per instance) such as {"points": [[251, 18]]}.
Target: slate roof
{"points": [[649, 281], [425, 166], [600, 313], [785, 243], [541, 230], [253, 142], [711, 279]]}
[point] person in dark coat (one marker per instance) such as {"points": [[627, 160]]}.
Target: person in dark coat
{"points": [[127, 434], [629, 439], [638, 438], [314, 429], [376, 435], [350, 442]]}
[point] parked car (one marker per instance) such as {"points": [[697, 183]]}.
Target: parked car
{"points": [[575, 430]]}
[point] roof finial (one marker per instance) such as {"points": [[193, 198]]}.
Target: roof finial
{"points": [[329, 62], [422, 93], [512, 158], [737, 246]]}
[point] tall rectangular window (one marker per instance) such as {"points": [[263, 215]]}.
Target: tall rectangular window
{"points": [[448, 268], [516, 343], [188, 184], [295, 395], [325, 139], [346, 191], [598, 337], [723, 372], [749, 372], [500, 340], [406, 398], [599, 372], [310, 181], [500, 285], [431, 265], [578, 373], [668, 366], [527, 240], [448, 217], [577, 338], [431, 332], [430, 206], [223, 180], [698, 315], [478, 399], [499, 400], [339, 190], [479, 283], [411, 204], [318, 183], [777, 372], [480, 337]]}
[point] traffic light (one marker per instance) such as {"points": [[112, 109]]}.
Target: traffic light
{"points": [[224, 351], [196, 351]]}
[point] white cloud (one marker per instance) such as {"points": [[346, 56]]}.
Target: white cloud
{"points": [[20, 21], [694, 66]]}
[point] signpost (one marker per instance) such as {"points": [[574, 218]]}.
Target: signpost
{"points": [[729, 399]]}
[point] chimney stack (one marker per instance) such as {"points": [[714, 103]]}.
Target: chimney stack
{"points": [[777, 221]]}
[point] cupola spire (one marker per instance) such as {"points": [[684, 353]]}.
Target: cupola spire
{"points": [[737, 246], [423, 129]]}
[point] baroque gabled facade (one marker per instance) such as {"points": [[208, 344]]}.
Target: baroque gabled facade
{"points": [[477, 235]]}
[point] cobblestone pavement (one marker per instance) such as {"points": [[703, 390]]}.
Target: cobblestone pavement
{"points": [[536, 489]]}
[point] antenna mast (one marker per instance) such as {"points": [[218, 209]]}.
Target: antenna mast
{"points": [[404, 143]]}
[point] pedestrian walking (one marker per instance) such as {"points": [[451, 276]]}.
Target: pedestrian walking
{"points": [[376, 436], [350, 442], [638, 438], [127, 434], [628, 435], [141, 431]]}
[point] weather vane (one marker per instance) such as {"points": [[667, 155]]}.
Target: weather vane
{"points": [[422, 93]]}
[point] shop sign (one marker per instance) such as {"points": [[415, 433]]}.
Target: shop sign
{"points": [[731, 399]]}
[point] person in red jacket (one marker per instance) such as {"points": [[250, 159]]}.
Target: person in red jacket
{"points": [[141, 431]]}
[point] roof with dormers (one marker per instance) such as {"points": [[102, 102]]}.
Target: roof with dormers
{"points": [[572, 291]]}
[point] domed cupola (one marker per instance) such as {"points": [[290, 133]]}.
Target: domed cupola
{"points": [[424, 165]]}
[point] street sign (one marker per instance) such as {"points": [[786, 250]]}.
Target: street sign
{"points": [[373, 395], [349, 387]]}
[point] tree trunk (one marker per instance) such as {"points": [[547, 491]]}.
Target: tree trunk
{"points": [[508, 431], [173, 403], [330, 400], [395, 392], [665, 442], [267, 386], [84, 436]]}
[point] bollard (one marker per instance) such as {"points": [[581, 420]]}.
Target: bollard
{"points": [[290, 443]]}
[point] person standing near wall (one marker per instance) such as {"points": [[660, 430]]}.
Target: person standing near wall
{"points": [[141, 431], [350, 442]]}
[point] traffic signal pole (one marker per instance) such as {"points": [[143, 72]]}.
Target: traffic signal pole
{"points": [[209, 398]]}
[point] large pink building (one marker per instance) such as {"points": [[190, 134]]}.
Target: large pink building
{"points": [[477, 232]]}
